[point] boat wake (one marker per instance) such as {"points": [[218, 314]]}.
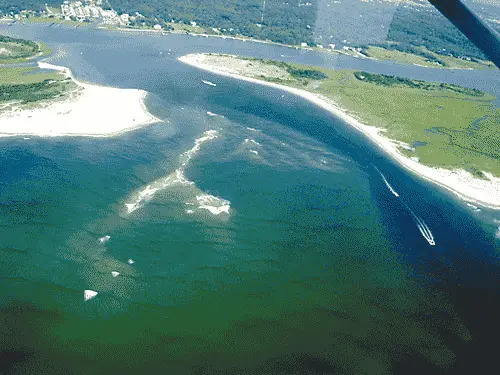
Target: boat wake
{"points": [[422, 227], [421, 224], [387, 183], [208, 83], [177, 178]]}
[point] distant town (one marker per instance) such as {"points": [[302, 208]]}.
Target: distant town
{"points": [[101, 12], [82, 11]]}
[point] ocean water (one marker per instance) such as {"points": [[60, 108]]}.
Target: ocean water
{"points": [[253, 233]]}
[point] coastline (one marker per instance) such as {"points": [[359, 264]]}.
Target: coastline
{"points": [[90, 110], [459, 182]]}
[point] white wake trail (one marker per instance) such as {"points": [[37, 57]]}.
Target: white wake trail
{"points": [[387, 183], [422, 227]]}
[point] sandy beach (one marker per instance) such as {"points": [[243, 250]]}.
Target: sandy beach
{"points": [[485, 193], [90, 110]]}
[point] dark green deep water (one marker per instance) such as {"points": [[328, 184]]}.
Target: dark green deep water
{"points": [[317, 268]]}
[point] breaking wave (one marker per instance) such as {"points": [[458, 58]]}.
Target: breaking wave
{"points": [[177, 178], [213, 204]]}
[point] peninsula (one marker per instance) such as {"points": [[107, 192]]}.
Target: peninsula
{"points": [[85, 110], [444, 133], [33, 102]]}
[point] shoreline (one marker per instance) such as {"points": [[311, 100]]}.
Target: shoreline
{"points": [[459, 182], [88, 111]]}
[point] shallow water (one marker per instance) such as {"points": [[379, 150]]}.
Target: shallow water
{"points": [[316, 267]]}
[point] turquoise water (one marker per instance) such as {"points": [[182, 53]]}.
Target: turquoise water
{"points": [[315, 268]]}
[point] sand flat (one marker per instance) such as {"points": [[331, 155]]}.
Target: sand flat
{"points": [[91, 110]]}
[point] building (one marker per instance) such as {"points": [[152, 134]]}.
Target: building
{"points": [[157, 27], [331, 46], [303, 44]]}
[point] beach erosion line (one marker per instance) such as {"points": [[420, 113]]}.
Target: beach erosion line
{"points": [[199, 200], [89, 110], [481, 192]]}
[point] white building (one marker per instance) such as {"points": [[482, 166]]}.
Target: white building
{"points": [[157, 27], [303, 44], [331, 46]]}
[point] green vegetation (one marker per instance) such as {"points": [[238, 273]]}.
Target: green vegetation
{"points": [[295, 71], [14, 50], [451, 126], [32, 92], [22, 85], [16, 75], [430, 35], [425, 37], [284, 22], [421, 56]]}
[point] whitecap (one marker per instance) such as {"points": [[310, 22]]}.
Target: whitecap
{"points": [[213, 204], [104, 239], [214, 114], [203, 201], [247, 140], [89, 294], [475, 208]]}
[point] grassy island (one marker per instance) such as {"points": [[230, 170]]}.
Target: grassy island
{"points": [[20, 86], [13, 50], [440, 124]]}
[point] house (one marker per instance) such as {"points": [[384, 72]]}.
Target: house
{"points": [[193, 23], [157, 27], [331, 46], [125, 17], [319, 45], [303, 44]]}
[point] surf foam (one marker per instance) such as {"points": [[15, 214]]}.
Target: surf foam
{"points": [[175, 178], [213, 204], [104, 239]]}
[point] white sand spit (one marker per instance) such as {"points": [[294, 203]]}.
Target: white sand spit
{"points": [[90, 110]]}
